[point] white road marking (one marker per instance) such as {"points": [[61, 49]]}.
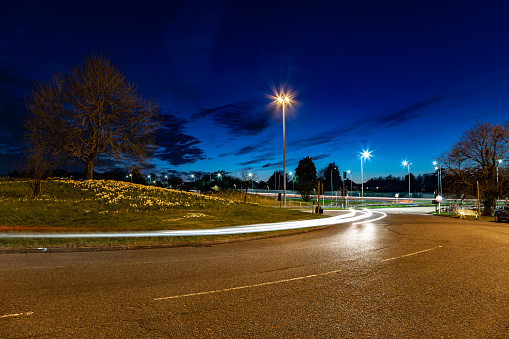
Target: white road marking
{"points": [[407, 255], [15, 315], [248, 286]]}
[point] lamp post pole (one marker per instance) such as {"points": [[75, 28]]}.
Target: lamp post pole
{"points": [[362, 181], [363, 155], [284, 100], [406, 163], [351, 184]]}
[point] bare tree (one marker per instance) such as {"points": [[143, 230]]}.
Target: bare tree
{"points": [[476, 157], [91, 114], [246, 179], [36, 168]]}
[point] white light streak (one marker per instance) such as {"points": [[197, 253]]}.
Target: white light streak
{"points": [[268, 227]]}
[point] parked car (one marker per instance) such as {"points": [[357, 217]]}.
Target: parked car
{"points": [[502, 213]]}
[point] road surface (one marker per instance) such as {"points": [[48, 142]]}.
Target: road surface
{"points": [[406, 275]]}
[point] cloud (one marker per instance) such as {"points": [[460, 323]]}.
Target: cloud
{"points": [[176, 147], [319, 157], [258, 159], [406, 114], [242, 151], [238, 118]]}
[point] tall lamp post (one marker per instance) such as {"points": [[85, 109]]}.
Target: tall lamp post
{"points": [[438, 168], [499, 162], [498, 165], [364, 155], [283, 100], [406, 163], [351, 184]]}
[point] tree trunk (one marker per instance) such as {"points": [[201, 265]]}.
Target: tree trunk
{"points": [[89, 171]]}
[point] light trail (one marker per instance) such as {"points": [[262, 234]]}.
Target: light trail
{"points": [[268, 227], [371, 220]]}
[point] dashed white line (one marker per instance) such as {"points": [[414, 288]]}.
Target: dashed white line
{"points": [[15, 315], [414, 253], [248, 286]]}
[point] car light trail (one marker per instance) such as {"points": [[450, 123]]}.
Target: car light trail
{"points": [[371, 220], [268, 227]]}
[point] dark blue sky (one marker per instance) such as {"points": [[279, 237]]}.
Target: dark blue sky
{"points": [[402, 78]]}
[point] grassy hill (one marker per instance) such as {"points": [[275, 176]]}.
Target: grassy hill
{"points": [[105, 206]]}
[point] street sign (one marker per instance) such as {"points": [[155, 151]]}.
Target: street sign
{"points": [[438, 198]]}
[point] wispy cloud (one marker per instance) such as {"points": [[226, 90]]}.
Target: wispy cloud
{"points": [[242, 151], [238, 118], [406, 114], [175, 146]]}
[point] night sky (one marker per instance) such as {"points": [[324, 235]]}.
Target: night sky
{"points": [[401, 78]]}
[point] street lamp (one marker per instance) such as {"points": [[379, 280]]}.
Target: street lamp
{"points": [[406, 163], [364, 155], [149, 179], [252, 181], [351, 187], [439, 172], [283, 100], [219, 176], [499, 162], [293, 182]]}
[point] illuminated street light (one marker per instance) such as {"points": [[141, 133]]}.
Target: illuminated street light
{"points": [[252, 181], [293, 182], [149, 179], [499, 162], [219, 176], [406, 163], [364, 155], [284, 100], [438, 168]]}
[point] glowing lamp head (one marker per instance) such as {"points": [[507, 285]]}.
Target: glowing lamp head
{"points": [[365, 154]]}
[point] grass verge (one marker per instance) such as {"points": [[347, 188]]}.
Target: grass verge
{"points": [[106, 206]]}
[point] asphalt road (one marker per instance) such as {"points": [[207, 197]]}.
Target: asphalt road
{"points": [[407, 275]]}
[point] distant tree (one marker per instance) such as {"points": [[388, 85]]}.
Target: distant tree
{"points": [[37, 167], [275, 181], [475, 158], [306, 174], [247, 178], [331, 172], [91, 114]]}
